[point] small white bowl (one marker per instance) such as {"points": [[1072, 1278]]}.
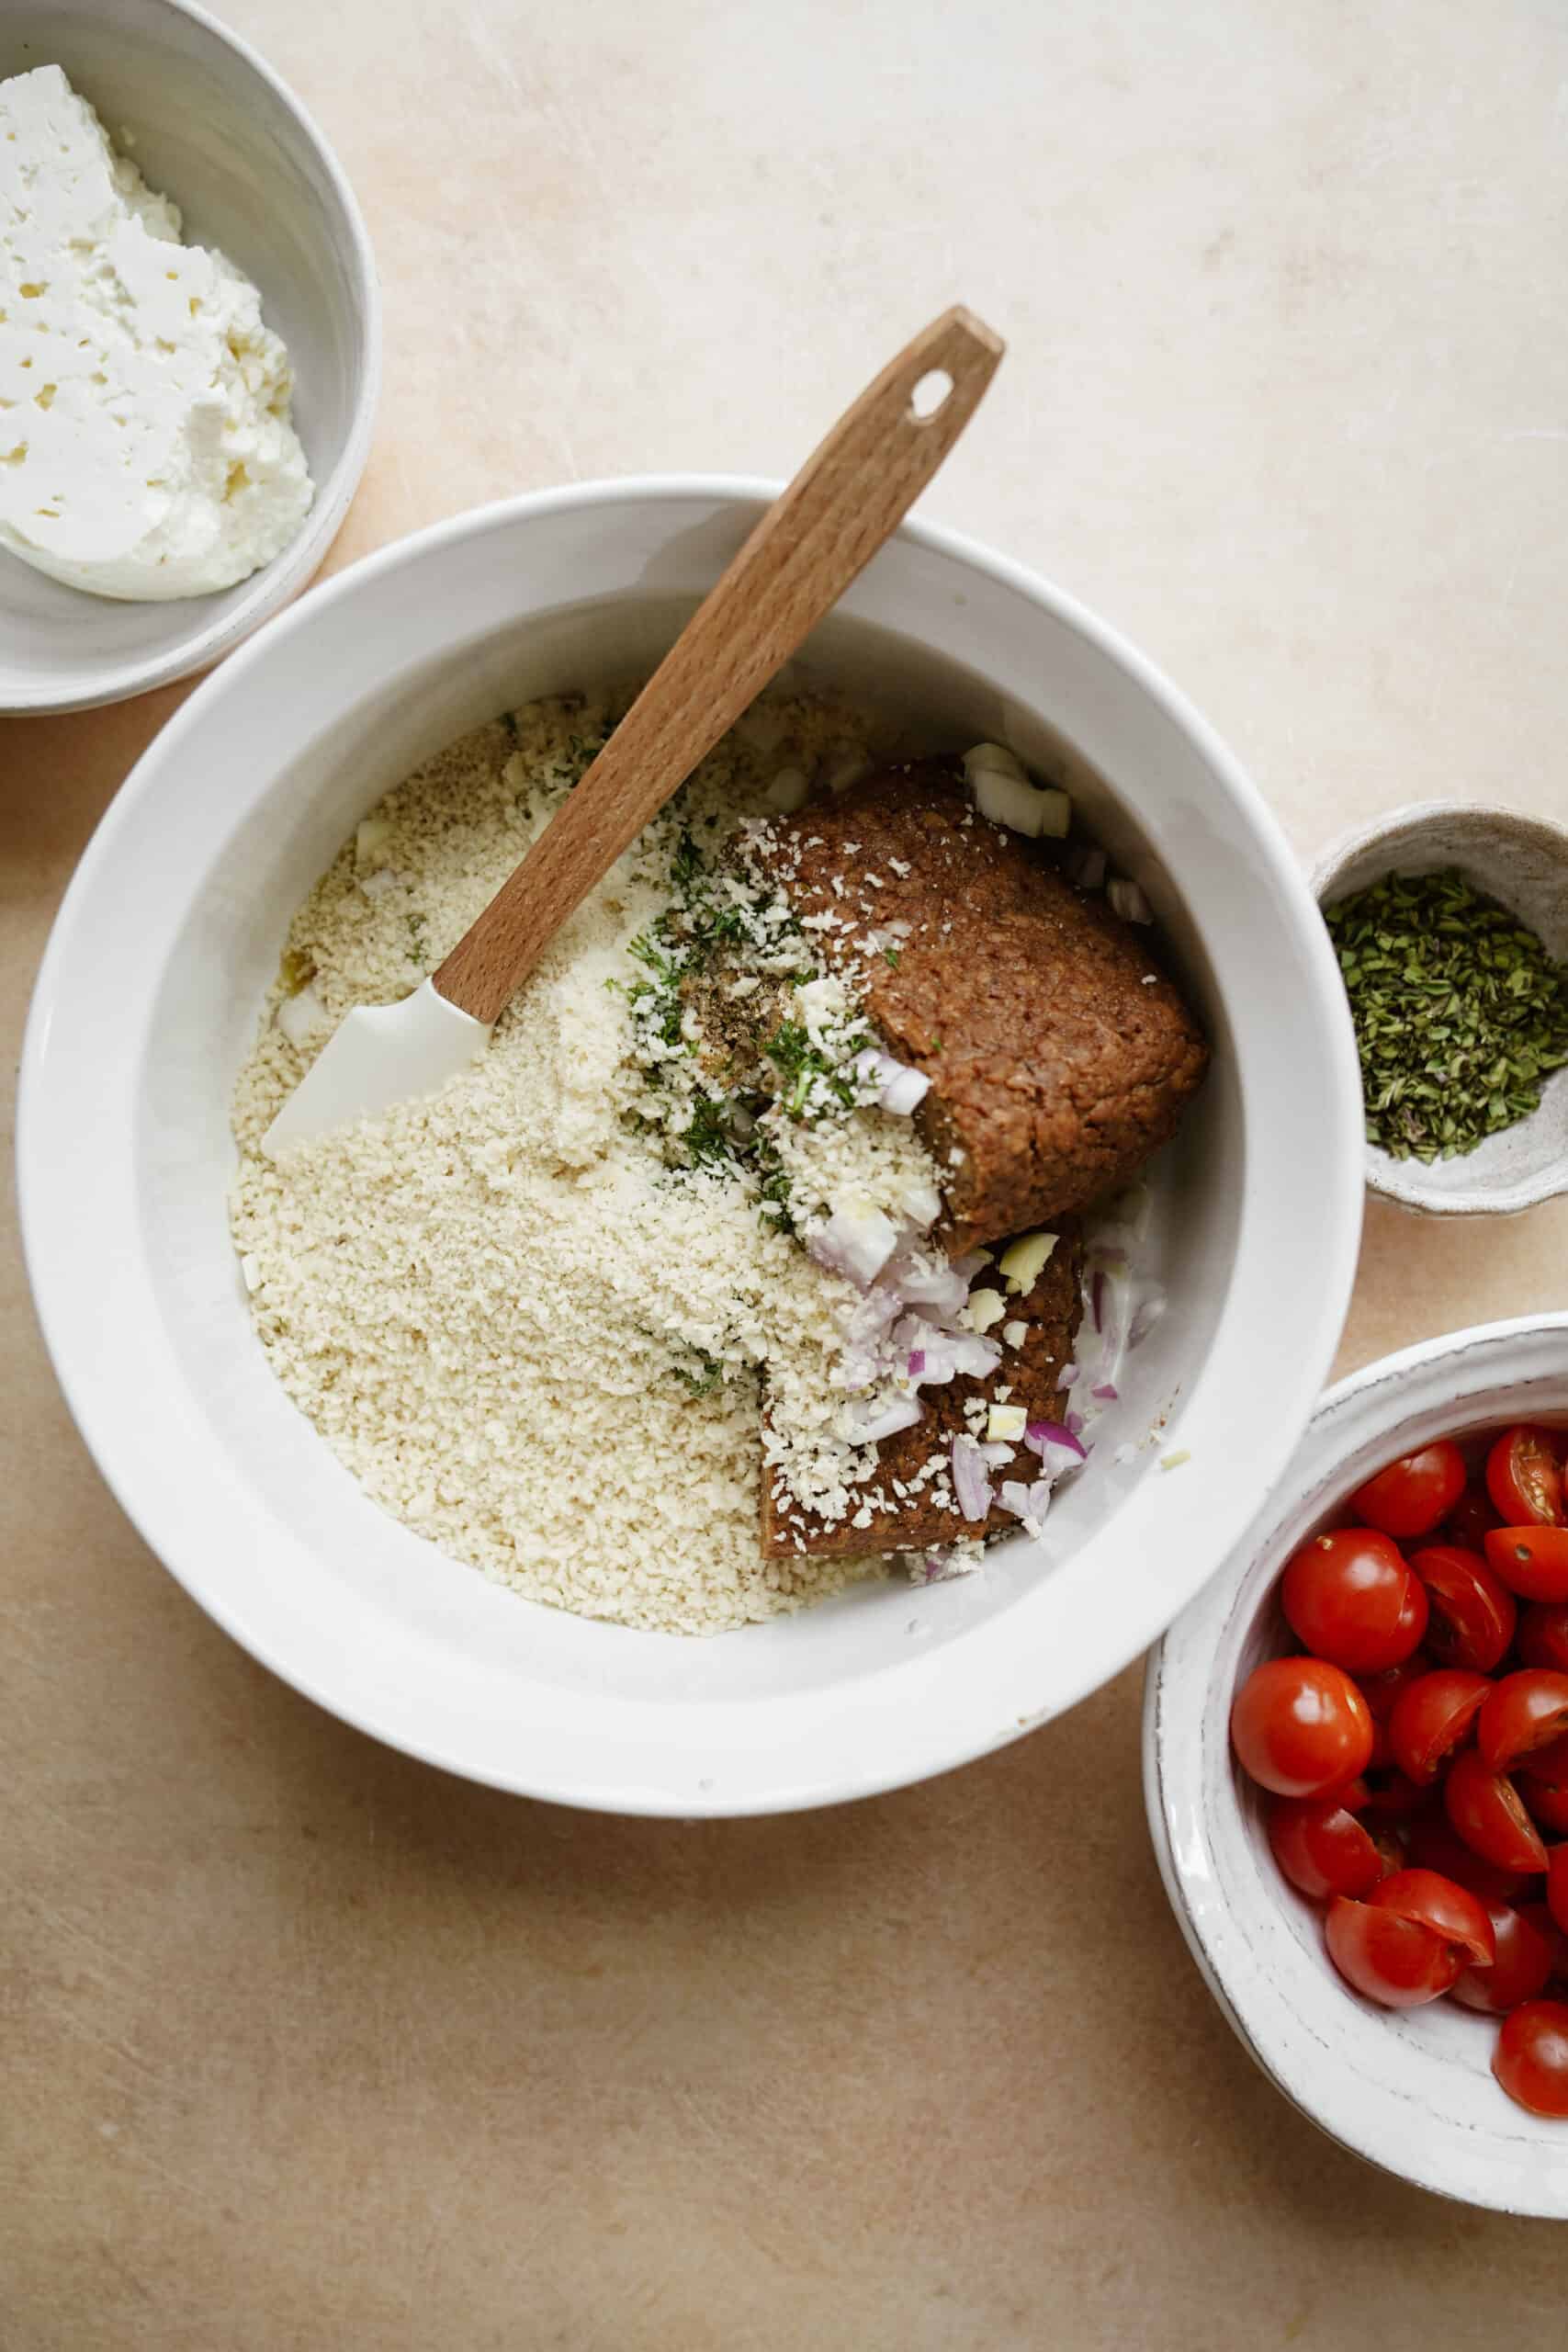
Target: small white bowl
{"points": [[1522, 861], [147, 1004], [213, 128], [1410, 2090]]}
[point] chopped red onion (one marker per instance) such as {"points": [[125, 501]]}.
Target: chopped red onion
{"points": [[1127, 901], [970, 1263], [994, 1453], [1096, 1296], [921, 1204], [1025, 1503], [900, 1090], [1086, 866], [856, 1242], [1151, 1308], [916, 1362], [1041, 1434], [1066, 1376], [970, 1483], [978, 1358], [871, 1425], [1107, 1391], [1074, 1426], [925, 1282]]}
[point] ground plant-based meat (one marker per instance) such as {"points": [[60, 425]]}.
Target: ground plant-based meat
{"points": [[1060, 1055]]}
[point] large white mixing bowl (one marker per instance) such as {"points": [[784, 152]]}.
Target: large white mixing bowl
{"points": [[147, 1002]]}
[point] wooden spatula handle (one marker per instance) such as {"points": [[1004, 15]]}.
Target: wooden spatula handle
{"points": [[848, 497]]}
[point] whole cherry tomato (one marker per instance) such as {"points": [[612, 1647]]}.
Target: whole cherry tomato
{"points": [[1557, 1887], [1414, 1494], [1486, 1809], [1301, 1727], [1547, 1806], [1531, 1561], [1436, 1844], [1348, 1596], [1434, 1902], [1431, 1715], [1522, 1713], [1543, 1637], [1470, 1519], [1390, 1960], [1473, 1611], [1520, 1966], [1323, 1848], [1524, 1477], [1531, 2057]]}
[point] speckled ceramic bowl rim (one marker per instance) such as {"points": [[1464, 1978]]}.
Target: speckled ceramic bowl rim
{"points": [[279, 582], [1402, 1181], [1371, 2079]]}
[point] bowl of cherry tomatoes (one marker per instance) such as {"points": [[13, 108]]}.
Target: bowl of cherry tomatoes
{"points": [[1356, 1766]]}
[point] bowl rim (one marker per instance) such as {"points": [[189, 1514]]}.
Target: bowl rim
{"points": [[1402, 1181], [280, 581], [979, 1719], [1465, 1367]]}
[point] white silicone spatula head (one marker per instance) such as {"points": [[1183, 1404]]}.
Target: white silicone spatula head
{"points": [[851, 495]]}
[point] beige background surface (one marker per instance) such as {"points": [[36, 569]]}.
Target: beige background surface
{"points": [[307, 2046]]}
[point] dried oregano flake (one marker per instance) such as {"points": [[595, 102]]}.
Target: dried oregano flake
{"points": [[1460, 1011]]}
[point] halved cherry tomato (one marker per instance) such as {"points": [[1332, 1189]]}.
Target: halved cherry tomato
{"points": [[1414, 1493], [1543, 1637], [1524, 1477], [1301, 1727], [1557, 1887], [1548, 1763], [1434, 1902], [1436, 1844], [1531, 2057], [1470, 1519], [1393, 1796], [1473, 1611], [1531, 1561], [1547, 1806], [1390, 1960], [1522, 1713], [1348, 1596], [1520, 1966], [1323, 1848], [1542, 1920], [1486, 1809], [1380, 1691], [1431, 1715]]}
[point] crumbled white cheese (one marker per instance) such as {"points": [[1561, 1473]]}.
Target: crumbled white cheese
{"points": [[1015, 1333], [146, 446]]}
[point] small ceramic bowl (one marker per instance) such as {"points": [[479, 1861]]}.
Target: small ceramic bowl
{"points": [[212, 127], [1410, 2090], [1521, 862]]}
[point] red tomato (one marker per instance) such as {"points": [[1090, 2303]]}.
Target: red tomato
{"points": [[1380, 1691], [1436, 1844], [1548, 1763], [1531, 2057], [1470, 1518], [1348, 1596], [1557, 1887], [1524, 1477], [1390, 1960], [1484, 1808], [1543, 1637], [1531, 1561], [1522, 1713], [1434, 1902], [1412, 1495], [1431, 1715], [1544, 1924], [1394, 1798], [1520, 1970], [1301, 1727], [1473, 1611], [1322, 1848], [1547, 1806]]}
